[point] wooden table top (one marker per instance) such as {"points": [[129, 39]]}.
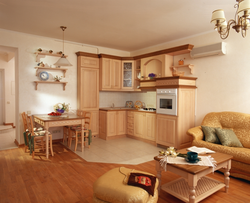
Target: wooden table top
{"points": [[46, 117], [218, 157]]}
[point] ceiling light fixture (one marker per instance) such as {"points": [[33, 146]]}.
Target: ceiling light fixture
{"points": [[240, 23], [63, 61]]}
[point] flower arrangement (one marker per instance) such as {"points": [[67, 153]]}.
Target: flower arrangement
{"points": [[57, 78], [151, 75], [61, 107], [171, 151]]}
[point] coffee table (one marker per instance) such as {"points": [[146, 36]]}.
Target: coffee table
{"points": [[194, 185]]}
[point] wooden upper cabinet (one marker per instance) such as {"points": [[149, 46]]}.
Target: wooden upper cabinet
{"points": [[88, 62], [110, 74], [128, 75]]}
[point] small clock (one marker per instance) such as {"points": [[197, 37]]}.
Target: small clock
{"points": [[44, 75]]}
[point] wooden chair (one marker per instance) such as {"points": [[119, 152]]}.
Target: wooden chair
{"points": [[26, 132], [37, 138], [76, 132], [66, 129]]}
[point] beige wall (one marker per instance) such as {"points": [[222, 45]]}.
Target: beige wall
{"points": [[223, 81]]}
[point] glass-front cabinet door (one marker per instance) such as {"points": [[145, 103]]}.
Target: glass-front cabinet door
{"points": [[127, 74]]}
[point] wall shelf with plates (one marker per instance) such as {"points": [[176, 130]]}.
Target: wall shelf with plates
{"points": [[46, 54], [52, 69], [50, 82], [190, 66]]}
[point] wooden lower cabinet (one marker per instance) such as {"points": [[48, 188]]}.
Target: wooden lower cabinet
{"points": [[130, 122], [112, 124], [95, 123], [145, 125], [166, 130]]}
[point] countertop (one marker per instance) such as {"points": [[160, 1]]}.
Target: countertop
{"points": [[123, 109]]}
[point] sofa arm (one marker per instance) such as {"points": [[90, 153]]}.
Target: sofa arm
{"points": [[196, 133]]}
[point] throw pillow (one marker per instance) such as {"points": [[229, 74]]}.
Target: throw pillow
{"points": [[144, 181], [228, 138], [210, 134]]}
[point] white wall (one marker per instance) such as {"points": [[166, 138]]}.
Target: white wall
{"points": [[223, 81], [42, 100]]}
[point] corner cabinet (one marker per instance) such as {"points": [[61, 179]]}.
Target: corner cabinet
{"points": [[112, 124], [128, 75], [88, 87]]}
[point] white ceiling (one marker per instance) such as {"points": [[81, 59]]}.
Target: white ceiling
{"points": [[120, 24]]}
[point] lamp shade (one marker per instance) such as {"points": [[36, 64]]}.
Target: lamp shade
{"points": [[63, 62], [218, 16], [243, 6]]}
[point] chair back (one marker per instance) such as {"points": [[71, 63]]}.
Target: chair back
{"points": [[24, 117], [80, 113], [30, 125], [87, 117]]}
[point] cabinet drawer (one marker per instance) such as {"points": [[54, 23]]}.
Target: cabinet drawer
{"points": [[130, 125], [130, 113], [130, 119], [130, 131]]}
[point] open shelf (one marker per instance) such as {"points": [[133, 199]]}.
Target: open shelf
{"points": [[46, 54], [51, 82], [190, 66], [47, 68]]}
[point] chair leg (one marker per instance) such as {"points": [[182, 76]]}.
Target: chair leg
{"points": [[82, 143], [76, 141]]}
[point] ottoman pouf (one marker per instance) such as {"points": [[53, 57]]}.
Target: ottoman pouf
{"points": [[112, 187]]}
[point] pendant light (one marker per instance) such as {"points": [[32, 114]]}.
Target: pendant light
{"points": [[63, 61]]}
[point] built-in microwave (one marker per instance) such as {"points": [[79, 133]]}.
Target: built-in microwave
{"points": [[166, 101]]}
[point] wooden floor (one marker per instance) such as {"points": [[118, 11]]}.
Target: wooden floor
{"points": [[66, 178]]}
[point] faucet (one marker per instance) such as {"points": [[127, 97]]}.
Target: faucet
{"points": [[113, 105]]}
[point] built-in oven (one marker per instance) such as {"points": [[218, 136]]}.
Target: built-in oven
{"points": [[166, 101]]}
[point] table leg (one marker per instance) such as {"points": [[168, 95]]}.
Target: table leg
{"points": [[83, 123], [47, 139], [158, 169], [226, 176], [191, 194]]}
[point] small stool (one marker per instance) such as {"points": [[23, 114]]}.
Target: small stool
{"points": [[110, 187]]}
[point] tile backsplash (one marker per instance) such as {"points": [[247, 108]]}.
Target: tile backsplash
{"points": [[106, 99]]}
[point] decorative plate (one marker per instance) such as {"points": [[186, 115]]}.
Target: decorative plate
{"points": [[138, 104], [44, 75]]}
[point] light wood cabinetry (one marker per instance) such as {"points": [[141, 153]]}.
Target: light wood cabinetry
{"points": [[171, 130], [130, 123], [110, 74], [112, 124], [88, 88], [145, 125], [139, 124], [127, 75]]}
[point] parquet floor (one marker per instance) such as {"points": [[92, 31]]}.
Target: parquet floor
{"points": [[67, 178]]}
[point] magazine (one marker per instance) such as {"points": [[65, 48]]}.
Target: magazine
{"points": [[200, 150]]}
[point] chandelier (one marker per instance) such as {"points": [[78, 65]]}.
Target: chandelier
{"points": [[240, 23], [63, 61]]}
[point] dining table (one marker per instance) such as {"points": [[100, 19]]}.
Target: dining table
{"points": [[47, 121]]}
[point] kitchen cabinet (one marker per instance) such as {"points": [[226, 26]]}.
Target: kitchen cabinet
{"points": [[145, 125], [112, 124], [128, 75], [110, 74], [171, 130], [88, 88]]}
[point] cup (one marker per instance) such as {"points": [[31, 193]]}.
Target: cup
{"points": [[192, 156]]}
